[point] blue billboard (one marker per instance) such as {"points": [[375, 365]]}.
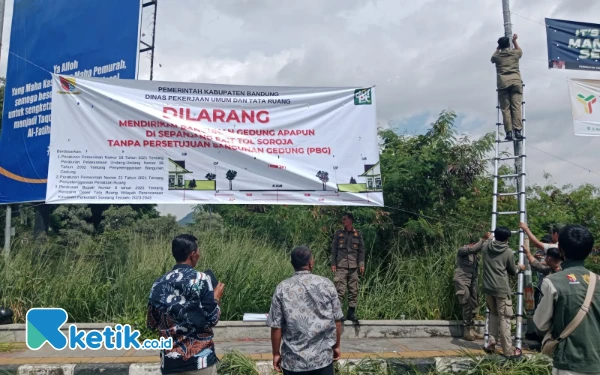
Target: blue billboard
{"points": [[91, 38], [573, 45]]}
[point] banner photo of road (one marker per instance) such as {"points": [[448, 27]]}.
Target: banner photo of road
{"points": [[584, 94], [127, 141], [573, 45]]}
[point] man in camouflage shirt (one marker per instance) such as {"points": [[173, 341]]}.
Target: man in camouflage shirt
{"points": [[347, 259]]}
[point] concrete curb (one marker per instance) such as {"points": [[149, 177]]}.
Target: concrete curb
{"points": [[232, 331], [264, 368]]}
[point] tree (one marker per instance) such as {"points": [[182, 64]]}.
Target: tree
{"points": [[192, 184], [210, 176], [71, 222], [324, 177], [230, 175]]}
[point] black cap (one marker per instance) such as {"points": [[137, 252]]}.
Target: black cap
{"points": [[547, 239]]}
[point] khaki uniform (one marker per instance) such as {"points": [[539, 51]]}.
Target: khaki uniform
{"points": [[510, 87], [465, 281], [347, 254]]}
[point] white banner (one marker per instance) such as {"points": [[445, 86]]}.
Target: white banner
{"points": [[127, 141], [584, 94]]}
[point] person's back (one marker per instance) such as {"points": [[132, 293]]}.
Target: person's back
{"points": [[498, 264], [509, 85], [507, 67], [563, 295], [305, 318]]}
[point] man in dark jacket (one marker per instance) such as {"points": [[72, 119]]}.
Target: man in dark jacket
{"points": [[563, 295], [465, 284], [498, 264]]}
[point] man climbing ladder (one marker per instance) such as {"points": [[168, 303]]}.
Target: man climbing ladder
{"points": [[510, 85]]}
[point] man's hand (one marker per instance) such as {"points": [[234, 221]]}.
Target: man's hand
{"points": [[515, 36], [487, 236], [523, 226], [522, 267], [333, 269], [219, 291], [362, 270], [337, 353], [277, 362]]}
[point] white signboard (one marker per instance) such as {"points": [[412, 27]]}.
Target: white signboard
{"points": [[127, 141], [585, 105]]}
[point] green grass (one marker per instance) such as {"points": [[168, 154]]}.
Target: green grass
{"points": [[235, 363], [102, 282]]}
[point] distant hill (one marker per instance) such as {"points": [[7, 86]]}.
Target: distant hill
{"points": [[188, 219]]}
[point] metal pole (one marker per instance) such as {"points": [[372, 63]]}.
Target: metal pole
{"points": [[2, 7], [507, 23], [153, 39], [7, 231]]}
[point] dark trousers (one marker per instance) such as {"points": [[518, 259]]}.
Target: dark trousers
{"points": [[322, 371]]}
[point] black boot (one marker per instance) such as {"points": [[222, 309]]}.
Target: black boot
{"points": [[518, 134], [351, 314], [509, 136]]}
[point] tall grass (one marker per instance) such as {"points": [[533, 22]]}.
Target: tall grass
{"points": [[96, 285]]}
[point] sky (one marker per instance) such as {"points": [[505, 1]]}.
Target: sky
{"points": [[423, 57]]}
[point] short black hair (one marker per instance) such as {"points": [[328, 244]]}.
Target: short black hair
{"points": [[546, 239], [576, 242], [502, 234], [182, 246], [503, 42], [301, 255], [349, 216], [554, 254]]}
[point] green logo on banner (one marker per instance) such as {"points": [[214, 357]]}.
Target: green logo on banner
{"points": [[362, 97]]}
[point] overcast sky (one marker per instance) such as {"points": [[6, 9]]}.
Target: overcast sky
{"points": [[423, 56]]}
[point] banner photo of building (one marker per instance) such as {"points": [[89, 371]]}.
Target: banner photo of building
{"points": [[573, 45], [585, 106], [125, 141], [93, 38]]}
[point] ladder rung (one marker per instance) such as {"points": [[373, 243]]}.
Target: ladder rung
{"points": [[510, 175], [515, 231], [510, 157], [508, 194], [505, 141], [507, 212]]}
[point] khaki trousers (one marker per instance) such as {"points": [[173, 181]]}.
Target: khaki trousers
{"points": [[347, 278], [501, 312], [511, 100], [466, 292]]}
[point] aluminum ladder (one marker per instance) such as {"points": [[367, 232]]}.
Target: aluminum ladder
{"points": [[519, 157]]}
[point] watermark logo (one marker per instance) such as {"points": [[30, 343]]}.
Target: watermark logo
{"points": [[44, 326], [362, 97], [587, 102]]}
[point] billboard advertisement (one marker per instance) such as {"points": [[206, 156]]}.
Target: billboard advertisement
{"points": [[584, 95], [92, 38], [573, 45], [123, 141]]}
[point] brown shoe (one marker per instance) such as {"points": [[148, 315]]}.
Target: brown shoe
{"points": [[471, 334]]}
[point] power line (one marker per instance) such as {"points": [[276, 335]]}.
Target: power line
{"points": [[529, 19], [565, 160]]}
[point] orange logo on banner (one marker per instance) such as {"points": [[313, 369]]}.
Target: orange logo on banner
{"points": [[529, 299]]}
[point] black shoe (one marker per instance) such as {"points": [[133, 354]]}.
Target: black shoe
{"points": [[518, 134], [509, 136], [352, 315]]}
